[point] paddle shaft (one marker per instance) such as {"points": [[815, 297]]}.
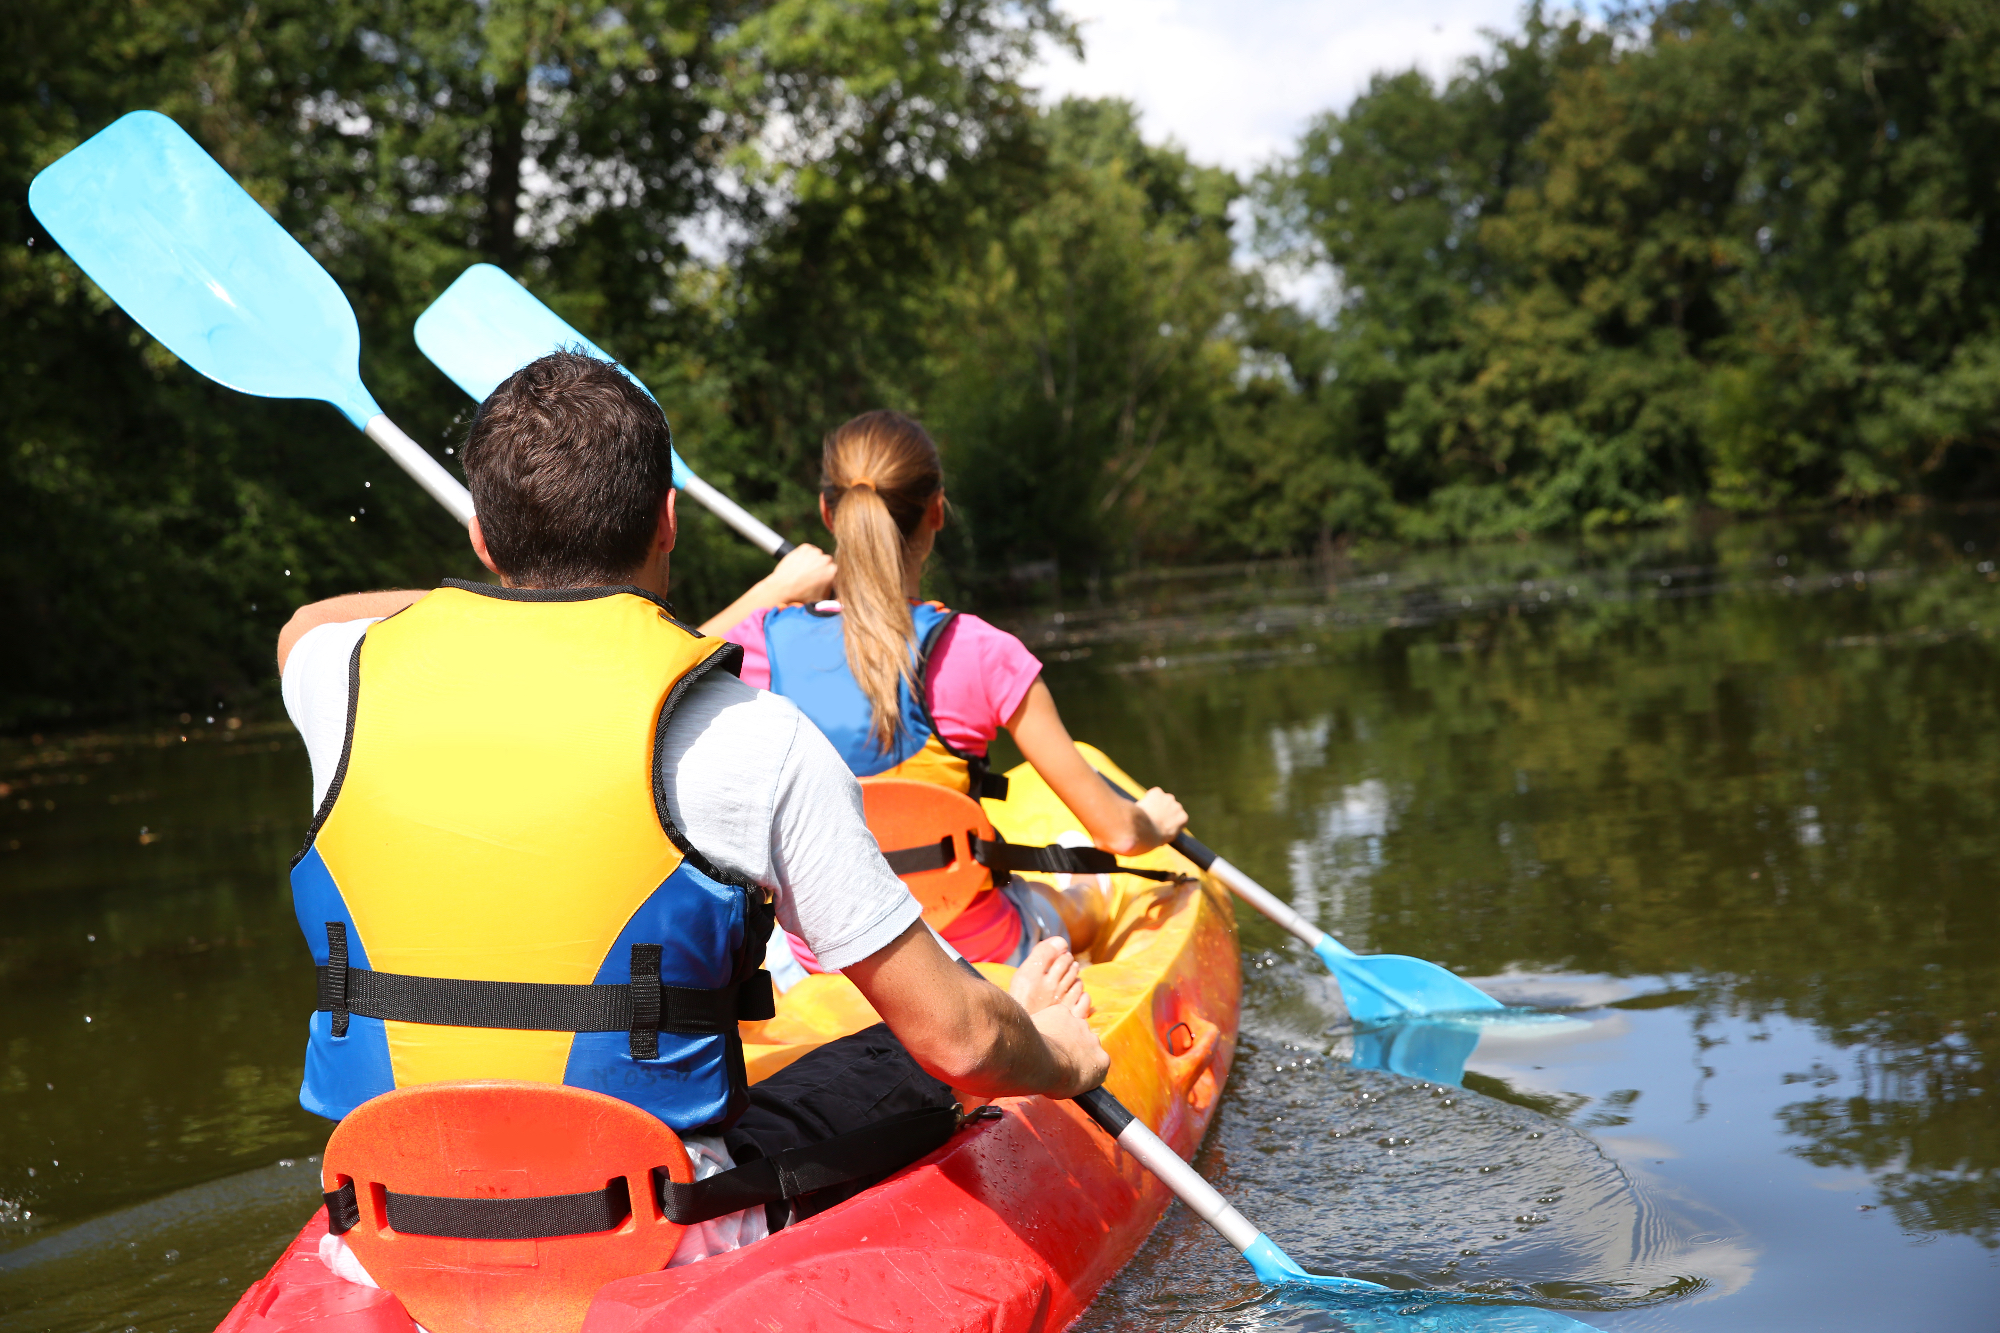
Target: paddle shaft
{"points": [[1244, 887], [726, 509], [1153, 1153], [425, 470]]}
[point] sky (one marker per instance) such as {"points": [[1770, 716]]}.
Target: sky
{"points": [[1235, 83]]}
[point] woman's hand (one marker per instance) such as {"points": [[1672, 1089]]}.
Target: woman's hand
{"points": [[804, 575], [1163, 811]]}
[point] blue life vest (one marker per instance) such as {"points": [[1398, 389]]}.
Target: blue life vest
{"points": [[807, 648]]}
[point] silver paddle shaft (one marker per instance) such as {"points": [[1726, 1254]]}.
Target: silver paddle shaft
{"points": [[726, 509], [427, 471], [1261, 898], [1153, 1153]]}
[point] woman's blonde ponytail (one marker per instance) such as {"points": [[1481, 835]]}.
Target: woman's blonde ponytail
{"points": [[878, 475]]}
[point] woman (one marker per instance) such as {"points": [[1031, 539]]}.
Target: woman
{"points": [[909, 689]]}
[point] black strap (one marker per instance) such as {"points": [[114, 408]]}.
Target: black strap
{"points": [[986, 784], [542, 1006], [871, 1150], [912, 860], [645, 989], [489, 1219], [983, 784], [1003, 858], [333, 986], [343, 1213]]}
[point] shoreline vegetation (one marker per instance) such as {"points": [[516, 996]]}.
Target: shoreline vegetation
{"points": [[1687, 258]]}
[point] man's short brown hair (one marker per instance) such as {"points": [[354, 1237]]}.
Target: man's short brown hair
{"points": [[567, 462]]}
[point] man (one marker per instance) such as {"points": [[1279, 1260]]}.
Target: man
{"points": [[551, 800]]}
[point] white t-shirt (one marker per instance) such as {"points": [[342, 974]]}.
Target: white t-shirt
{"points": [[751, 783]]}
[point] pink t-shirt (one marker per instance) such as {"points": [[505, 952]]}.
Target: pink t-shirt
{"points": [[978, 675]]}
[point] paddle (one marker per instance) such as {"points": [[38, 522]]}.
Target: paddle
{"points": [[202, 267], [486, 326], [1377, 987], [1365, 1305], [1379, 1307]]}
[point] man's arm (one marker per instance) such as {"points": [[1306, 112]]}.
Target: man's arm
{"points": [[334, 610], [968, 1032]]}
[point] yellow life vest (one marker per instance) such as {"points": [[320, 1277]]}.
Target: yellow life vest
{"points": [[494, 887]]}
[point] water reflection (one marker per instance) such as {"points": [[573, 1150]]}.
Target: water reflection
{"points": [[1433, 1048]]}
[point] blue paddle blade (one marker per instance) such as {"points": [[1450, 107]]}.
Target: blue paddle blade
{"points": [[1368, 1307], [1415, 1048], [1383, 986], [201, 266], [486, 326]]}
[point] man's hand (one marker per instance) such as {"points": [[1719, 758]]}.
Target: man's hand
{"points": [[1085, 1062]]}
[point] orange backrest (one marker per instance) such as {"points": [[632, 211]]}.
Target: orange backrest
{"points": [[445, 1157], [905, 816]]}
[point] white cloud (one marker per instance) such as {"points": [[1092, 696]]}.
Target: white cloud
{"points": [[1236, 83]]}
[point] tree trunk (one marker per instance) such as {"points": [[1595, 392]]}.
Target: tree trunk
{"points": [[503, 174]]}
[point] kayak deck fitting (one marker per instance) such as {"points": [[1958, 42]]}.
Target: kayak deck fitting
{"points": [[1014, 1225]]}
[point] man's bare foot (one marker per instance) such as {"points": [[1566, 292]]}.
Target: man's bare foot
{"points": [[1048, 976]]}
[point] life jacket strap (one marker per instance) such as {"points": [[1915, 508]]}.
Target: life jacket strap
{"points": [[533, 1218], [986, 785], [872, 1150], [644, 1007], [913, 860], [1003, 858]]}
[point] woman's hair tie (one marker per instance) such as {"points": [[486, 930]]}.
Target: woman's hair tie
{"points": [[856, 485]]}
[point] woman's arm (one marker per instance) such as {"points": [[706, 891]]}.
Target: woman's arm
{"points": [[1117, 825], [804, 575]]}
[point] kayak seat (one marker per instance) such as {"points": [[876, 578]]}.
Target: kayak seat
{"points": [[501, 1207], [943, 846], [926, 832]]}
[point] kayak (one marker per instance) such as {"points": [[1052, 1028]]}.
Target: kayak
{"points": [[1011, 1227]]}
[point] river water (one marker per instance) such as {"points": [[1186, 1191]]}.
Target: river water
{"points": [[1725, 804]]}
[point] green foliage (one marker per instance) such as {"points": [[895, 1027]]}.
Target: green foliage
{"points": [[1076, 346], [1720, 254], [1696, 255]]}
